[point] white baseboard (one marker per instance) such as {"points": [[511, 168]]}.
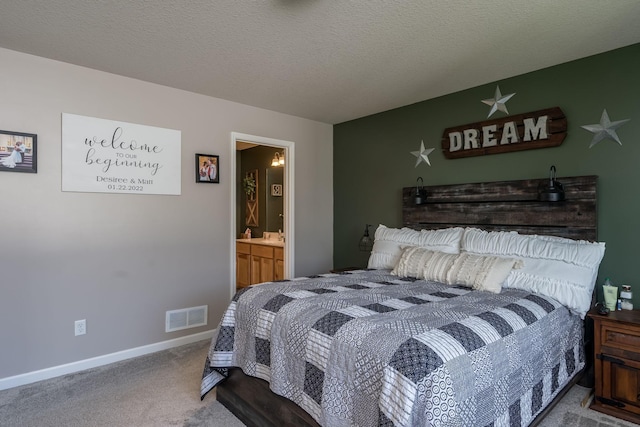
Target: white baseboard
{"points": [[81, 365]]}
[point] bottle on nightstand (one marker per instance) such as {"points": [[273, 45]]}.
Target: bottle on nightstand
{"points": [[626, 296]]}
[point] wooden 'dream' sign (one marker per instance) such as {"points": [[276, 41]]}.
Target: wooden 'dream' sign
{"points": [[538, 129]]}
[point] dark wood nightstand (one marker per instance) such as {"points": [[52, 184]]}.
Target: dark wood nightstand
{"points": [[617, 364]]}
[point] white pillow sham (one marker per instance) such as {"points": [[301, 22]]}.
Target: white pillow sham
{"points": [[388, 243], [560, 268]]}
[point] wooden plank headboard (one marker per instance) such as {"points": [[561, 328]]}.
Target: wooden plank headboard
{"points": [[507, 206]]}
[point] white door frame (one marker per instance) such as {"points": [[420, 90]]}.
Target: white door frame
{"points": [[289, 213]]}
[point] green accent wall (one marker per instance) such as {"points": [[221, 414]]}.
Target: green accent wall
{"points": [[372, 160]]}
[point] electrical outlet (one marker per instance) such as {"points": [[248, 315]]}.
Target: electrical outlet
{"points": [[81, 327]]}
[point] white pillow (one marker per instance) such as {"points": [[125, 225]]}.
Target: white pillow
{"points": [[560, 268], [388, 243], [422, 263], [481, 272]]}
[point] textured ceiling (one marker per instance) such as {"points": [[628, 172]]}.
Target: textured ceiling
{"points": [[326, 60]]}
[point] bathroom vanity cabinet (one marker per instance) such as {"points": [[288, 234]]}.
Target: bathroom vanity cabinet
{"points": [[258, 261]]}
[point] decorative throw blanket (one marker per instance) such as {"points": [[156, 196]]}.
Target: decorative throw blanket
{"points": [[366, 348]]}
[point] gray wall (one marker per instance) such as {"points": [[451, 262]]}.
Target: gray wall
{"points": [[120, 260], [369, 190]]}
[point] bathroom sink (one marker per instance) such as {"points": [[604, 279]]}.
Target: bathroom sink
{"points": [[273, 235]]}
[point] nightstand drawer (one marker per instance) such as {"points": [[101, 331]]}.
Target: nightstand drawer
{"points": [[620, 337]]}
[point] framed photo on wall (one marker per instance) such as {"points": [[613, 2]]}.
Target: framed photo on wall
{"points": [[207, 168], [18, 152], [276, 190]]}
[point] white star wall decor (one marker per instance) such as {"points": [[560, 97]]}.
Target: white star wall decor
{"points": [[606, 129], [422, 154], [498, 102]]}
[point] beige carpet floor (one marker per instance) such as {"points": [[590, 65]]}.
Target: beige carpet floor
{"points": [[162, 389], [159, 389], [569, 413]]}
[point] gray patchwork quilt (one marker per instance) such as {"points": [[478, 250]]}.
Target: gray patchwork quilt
{"points": [[366, 348]]}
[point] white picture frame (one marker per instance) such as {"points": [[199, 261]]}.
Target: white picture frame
{"points": [[276, 190], [107, 156]]}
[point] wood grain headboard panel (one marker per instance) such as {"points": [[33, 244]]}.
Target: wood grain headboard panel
{"points": [[507, 206]]}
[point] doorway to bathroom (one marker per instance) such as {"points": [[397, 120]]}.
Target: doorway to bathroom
{"points": [[262, 232]]}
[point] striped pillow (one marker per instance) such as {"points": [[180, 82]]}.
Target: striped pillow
{"points": [[481, 272], [422, 263]]}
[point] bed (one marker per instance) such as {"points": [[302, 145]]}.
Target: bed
{"points": [[423, 336]]}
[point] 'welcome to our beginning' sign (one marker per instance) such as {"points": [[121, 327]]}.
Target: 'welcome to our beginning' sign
{"points": [[538, 129], [106, 156]]}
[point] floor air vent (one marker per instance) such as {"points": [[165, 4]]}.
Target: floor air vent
{"points": [[186, 318]]}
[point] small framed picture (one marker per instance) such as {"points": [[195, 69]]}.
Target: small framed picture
{"points": [[18, 152], [276, 190], [207, 168]]}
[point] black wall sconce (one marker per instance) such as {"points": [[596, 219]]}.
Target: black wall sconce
{"points": [[553, 191], [421, 194], [366, 242]]}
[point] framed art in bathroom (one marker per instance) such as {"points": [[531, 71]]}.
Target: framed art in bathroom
{"points": [[207, 168], [18, 152]]}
